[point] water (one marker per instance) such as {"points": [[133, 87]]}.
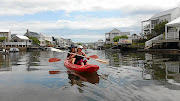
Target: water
{"points": [[28, 76]]}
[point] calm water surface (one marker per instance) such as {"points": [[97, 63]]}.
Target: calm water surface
{"points": [[27, 76]]}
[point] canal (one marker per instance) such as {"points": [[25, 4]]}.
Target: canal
{"points": [[129, 76]]}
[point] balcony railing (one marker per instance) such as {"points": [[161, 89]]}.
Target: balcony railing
{"points": [[17, 43]]}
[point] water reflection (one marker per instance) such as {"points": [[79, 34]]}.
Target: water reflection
{"points": [[154, 66], [5, 63], [78, 78], [129, 77]]}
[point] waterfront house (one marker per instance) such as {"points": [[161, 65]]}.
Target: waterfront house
{"points": [[170, 40], [5, 33], [42, 40], [169, 15], [19, 40], [32, 34], [100, 43], [115, 32], [60, 42], [49, 40]]}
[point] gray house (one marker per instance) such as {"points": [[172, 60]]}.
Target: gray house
{"points": [[32, 34]]}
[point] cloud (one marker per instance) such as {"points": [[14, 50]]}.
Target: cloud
{"points": [[21, 7], [89, 23]]}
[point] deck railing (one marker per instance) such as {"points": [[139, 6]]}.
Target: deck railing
{"points": [[17, 43], [149, 42]]}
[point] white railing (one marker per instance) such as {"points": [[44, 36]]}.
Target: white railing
{"points": [[17, 43], [149, 42], [172, 35]]}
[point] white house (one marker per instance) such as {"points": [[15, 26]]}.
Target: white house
{"points": [[60, 42], [19, 40], [42, 40], [169, 15], [172, 29], [115, 32], [100, 43], [5, 33], [49, 40]]}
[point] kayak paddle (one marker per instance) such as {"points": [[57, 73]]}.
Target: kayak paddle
{"points": [[57, 59]]}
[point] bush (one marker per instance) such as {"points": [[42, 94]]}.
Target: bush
{"points": [[116, 39]]}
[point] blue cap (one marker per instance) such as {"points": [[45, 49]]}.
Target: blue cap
{"points": [[72, 46]]}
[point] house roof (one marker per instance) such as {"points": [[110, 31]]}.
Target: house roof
{"points": [[163, 13], [4, 30], [33, 33], [174, 23], [12, 35], [22, 37], [115, 29]]}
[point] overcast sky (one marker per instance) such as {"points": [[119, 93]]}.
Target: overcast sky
{"points": [[79, 20]]}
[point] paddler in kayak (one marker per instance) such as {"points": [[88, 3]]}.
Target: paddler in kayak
{"points": [[72, 50], [79, 59]]}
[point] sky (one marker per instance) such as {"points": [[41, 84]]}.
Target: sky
{"points": [[79, 20]]}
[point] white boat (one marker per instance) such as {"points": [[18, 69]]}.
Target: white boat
{"points": [[14, 50]]}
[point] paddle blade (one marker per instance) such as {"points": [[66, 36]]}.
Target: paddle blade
{"points": [[54, 72], [93, 56], [102, 61], [54, 60]]}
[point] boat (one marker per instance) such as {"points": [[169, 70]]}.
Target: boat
{"points": [[79, 68], [13, 50]]}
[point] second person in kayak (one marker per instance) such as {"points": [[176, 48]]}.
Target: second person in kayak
{"points": [[78, 59]]}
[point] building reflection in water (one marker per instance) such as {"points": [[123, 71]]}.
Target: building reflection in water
{"points": [[5, 63], [155, 66]]}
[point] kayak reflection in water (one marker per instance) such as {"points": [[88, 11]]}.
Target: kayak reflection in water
{"points": [[78, 78], [79, 59]]}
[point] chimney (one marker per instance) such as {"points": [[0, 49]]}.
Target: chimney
{"points": [[27, 30]]}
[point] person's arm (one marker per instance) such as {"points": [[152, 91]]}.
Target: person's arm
{"points": [[73, 56], [86, 55]]}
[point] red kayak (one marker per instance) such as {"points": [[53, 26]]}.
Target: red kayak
{"points": [[79, 68]]}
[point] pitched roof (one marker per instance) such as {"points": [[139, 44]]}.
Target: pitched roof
{"points": [[164, 13], [33, 33], [115, 29], [22, 37], [175, 22], [4, 30], [12, 35]]}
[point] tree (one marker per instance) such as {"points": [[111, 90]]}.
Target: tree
{"points": [[79, 43], [123, 37], [2, 39], [160, 28], [35, 40], [116, 39]]}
